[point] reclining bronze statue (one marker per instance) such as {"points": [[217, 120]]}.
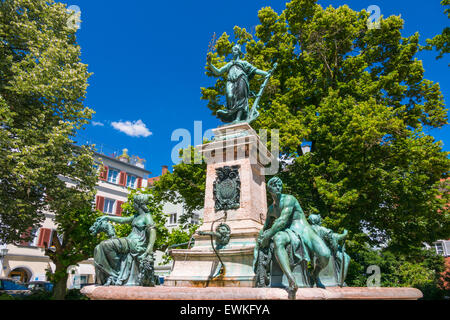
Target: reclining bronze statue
{"points": [[288, 237]]}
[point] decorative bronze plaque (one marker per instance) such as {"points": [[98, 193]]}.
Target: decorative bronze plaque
{"points": [[227, 188]]}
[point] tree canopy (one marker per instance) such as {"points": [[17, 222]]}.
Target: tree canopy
{"points": [[359, 97], [42, 88]]}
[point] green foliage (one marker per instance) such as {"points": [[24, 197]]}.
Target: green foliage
{"points": [[75, 294], [441, 42], [155, 207], [360, 98], [186, 184], [42, 88], [180, 235], [421, 269], [37, 295], [5, 296], [75, 245]]}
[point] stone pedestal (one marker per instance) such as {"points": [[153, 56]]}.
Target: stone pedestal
{"points": [[236, 146]]}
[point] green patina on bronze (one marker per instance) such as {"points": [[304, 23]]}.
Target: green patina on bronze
{"points": [[239, 72], [126, 261], [227, 188], [340, 257], [295, 243], [221, 235]]}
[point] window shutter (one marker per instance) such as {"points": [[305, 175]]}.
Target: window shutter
{"points": [[123, 178], [41, 238], [139, 182], [104, 173], [119, 208], [44, 237], [100, 203], [25, 235]]}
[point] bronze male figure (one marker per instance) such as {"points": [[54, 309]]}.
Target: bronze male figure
{"points": [[293, 237]]}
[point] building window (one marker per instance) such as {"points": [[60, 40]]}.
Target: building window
{"points": [[109, 206], [439, 248], [83, 279], [34, 237], [131, 181], [173, 218], [113, 175]]}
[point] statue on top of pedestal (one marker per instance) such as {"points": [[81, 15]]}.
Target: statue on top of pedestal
{"points": [[240, 72]]}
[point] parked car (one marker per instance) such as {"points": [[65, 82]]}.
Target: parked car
{"points": [[13, 287], [40, 286]]}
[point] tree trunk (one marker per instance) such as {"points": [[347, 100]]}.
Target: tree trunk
{"points": [[60, 287]]}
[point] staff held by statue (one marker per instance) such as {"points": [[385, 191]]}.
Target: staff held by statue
{"points": [[254, 109]]}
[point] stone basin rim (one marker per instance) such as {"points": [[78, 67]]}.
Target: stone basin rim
{"points": [[245, 293]]}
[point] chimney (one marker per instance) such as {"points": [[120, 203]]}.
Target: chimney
{"points": [[165, 169]]}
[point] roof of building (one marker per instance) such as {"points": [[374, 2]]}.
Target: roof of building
{"points": [[122, 162]]}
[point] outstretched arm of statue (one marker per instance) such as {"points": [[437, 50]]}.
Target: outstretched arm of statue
{"points": [[207, 233], [117, 219], [340, 237], [266, 74], [217, 71], [262, 73]]}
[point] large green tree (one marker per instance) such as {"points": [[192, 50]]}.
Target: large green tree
{"points": [[42, 88], [419, 268], [358, 95], [72, 242], [441, 42]]}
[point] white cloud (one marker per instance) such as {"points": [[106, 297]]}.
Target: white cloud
{"points": [[95, 124], [133, 129]]}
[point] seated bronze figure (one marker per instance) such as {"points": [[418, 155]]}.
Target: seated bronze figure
{"points": [[128, 261]]}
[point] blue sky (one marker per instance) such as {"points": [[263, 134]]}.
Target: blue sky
{"points": [[148, 57]]}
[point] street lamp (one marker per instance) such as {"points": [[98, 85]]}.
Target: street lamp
{"points": [[306, 148]]}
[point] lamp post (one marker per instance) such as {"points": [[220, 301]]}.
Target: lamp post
{"points": [[306, 148]]}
